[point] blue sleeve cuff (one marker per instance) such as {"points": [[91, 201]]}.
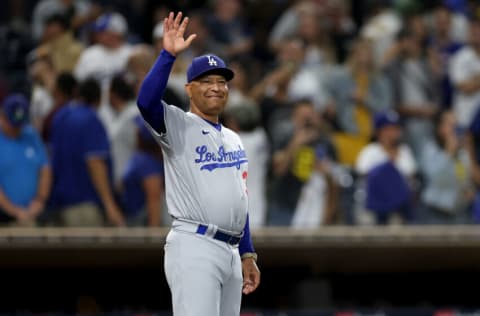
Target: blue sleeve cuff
{"points": [[246, 244]]}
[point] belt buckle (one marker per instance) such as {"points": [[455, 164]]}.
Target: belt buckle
{"points": [[232, 240]]}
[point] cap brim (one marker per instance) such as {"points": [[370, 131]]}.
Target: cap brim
{"points": [[227, 73]]}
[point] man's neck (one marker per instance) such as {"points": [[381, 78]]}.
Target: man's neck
{"points": [[210, 118]]}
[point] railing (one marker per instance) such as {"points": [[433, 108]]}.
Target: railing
{"points": [[330, 249]]}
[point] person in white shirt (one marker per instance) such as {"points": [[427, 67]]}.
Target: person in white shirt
{"points": [[120, 126], [464, 72], [386, 148], [244, 119], [109, 56]]}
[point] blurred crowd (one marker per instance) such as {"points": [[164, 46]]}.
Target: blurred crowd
{"points": [[351, 112]]}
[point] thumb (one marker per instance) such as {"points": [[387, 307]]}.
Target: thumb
{"points": [[190, 39]]}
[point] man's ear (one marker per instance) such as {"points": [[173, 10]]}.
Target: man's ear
{"points": [[188, 90]]}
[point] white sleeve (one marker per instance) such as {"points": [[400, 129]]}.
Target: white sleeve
{"points": [[173, 139], [408, 162], [458, 67], [364, 161]]}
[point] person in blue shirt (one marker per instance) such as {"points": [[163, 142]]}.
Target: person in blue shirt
{"points": [[143, 182], [82, 191], [25, 174]]}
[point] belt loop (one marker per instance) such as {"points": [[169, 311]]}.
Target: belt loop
{"points": [[212, 229]]}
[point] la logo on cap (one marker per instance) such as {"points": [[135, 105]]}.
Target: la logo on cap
{"points": [[211, 61]]}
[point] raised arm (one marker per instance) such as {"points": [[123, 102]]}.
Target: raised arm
{"points": [[151, 92]]}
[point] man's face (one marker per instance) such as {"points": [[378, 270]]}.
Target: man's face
{"points": [[390, 135], [208, 94]]}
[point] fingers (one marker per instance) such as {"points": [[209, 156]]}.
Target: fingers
{"points": [[169, 22], [249, 287], [251, 283], [177, 20], [176, 23]]}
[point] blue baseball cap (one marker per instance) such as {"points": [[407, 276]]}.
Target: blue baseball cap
{"points": [[114, 22], [382, 119], [16, 107], [208, 64]]}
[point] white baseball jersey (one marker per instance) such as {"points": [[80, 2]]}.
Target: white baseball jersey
{"points": [[205, 171]]}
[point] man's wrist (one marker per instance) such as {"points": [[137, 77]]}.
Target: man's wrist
{"points": [[252, 255]]}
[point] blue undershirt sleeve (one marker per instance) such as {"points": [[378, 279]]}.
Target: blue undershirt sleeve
{"points": [[149, 99], [246, 244]]}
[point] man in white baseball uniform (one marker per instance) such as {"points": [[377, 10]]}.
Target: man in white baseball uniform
{"points": [[209, 246]]}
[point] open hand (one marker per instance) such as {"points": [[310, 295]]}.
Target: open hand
{"points": [[173, 30]]}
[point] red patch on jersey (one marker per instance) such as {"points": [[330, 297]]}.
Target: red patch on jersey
{"points": [[244, 175]]}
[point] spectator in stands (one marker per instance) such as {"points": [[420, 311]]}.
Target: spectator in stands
{"points": [[473, 147], [308, 26], [465, 75], [43, 78], [239, 86], [228, 25], [108, 56], [81, 162], [336, 24], [444, 164], [415, 90], [245, 120], [290, 80], [120, 126], [59, 44], [64, 92], [300, 163], [25, 175], [443, 46], [357, 90], [386, 148], [381, 27], [78, 12], [143, 181]]}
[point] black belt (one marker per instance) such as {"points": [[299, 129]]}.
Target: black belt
{"points": [[229, 239]]}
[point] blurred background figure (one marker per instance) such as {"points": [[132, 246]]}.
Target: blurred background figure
{"points": [[387, 147], [416, 94], [25, 173], [119, 124], [295, 161], [441, 47], [381, 27], [465, 75], [473, 147], [108, 55], [245, 120], [43, 78], [64, 91], [357, 90], [82, 192], [78, 12], [59, 44], [445, 166], [142, 186], [230, 28]]}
